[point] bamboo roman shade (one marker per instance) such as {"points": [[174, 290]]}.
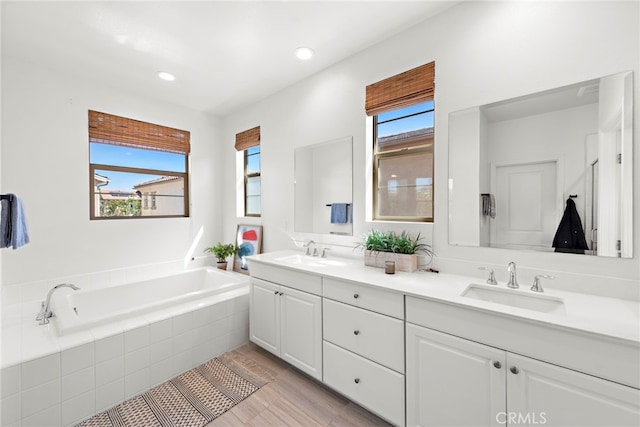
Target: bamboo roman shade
{"points": [[402, 90], [110, 129], [248, 138]]}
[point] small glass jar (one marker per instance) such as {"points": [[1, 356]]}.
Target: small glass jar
{"points": [[390, 267]]}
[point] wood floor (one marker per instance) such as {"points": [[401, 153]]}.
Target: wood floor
{"points": [[291, 399]]}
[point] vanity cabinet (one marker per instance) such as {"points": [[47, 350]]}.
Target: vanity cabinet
{"points": [[363, 333], [494, 387], [287, 321]]}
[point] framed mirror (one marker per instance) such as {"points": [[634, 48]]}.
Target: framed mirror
{"points": [[543, 171], [323, 194]]}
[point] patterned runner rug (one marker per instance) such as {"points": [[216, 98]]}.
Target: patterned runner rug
{"points": [[192, 399]]}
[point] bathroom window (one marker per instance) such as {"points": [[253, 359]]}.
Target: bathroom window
{"points": [[136, 169], [403, 112], [248, 143]]}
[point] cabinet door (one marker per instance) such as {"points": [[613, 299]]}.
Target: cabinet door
{"points": [[453, 381], [541, 393], [264, 315], [301, 334]]}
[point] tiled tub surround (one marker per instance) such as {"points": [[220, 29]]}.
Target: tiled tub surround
{"points": [[50, 379]]}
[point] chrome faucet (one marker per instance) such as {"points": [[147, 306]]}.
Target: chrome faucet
{"points": [[513, 280], [492, 278], [45, 312], [324, 252], [537, 286], [308, 246]]}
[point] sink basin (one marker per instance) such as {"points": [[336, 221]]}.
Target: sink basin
{"points": [[310, 261], [514, 298]]}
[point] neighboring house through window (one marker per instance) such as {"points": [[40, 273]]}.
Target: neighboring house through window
{"points": [[403, 111], [249, 142], [129, 161]]}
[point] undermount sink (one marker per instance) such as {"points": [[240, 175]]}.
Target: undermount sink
{"points": [[515, 298], [310, 261]]}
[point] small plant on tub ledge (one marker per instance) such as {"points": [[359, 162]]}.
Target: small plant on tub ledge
{"points": [[222, 252], [381, 246]]}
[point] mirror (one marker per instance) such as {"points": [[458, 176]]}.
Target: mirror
{"points": [[323, 193], [517, 167]]}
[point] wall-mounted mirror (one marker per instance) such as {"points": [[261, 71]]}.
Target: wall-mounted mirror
{"points": [[323, 188], [522, 171]]}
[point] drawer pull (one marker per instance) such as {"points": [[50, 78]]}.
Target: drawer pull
{"points": [[497, 364], [514, 370], [357, 380], [356, 296], [356, 332]]}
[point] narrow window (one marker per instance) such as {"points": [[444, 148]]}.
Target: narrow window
{"points": [[249, 142], [403, 111], [137, 169]]}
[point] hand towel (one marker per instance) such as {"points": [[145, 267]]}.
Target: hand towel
{"points": [[339, 213], [13, 224]]}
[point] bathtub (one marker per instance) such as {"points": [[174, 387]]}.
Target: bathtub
{"points": [[84, 309]]}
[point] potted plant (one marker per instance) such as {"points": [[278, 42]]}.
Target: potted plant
{"points": [[222, 252], [381, 246]]}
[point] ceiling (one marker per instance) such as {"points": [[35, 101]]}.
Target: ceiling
{"points": [[224, 54]]}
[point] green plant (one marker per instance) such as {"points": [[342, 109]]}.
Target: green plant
{"points": [[222, 251], [390, 241]]}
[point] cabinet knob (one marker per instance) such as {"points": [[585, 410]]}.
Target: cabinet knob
{"points": [[514, 370], [281, 293], [497, 364], [275, 293], [356, 296], [357, 380], [356, 332]]}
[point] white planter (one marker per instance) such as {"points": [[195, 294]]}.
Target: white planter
{"points": [[403, 262]]}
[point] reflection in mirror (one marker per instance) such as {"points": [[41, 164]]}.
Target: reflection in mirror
{"points": [[540, 171], [323, 194]]}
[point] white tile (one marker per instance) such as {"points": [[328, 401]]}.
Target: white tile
{"points": [[202, 334], [39, 371], [39, 398], [238, 338], [220, 345], [10, 410], [77, 383], [47, 417], [160, 372], [202, 353], [220, 310], [182, 342], [109, 371], [108, 348], [10, 380], [240, 303], [182, 323], [136, 360], [239, 319], [77, 358], [136, 383], [109, 395], [160, 351], [201, 317], [33, 291], [220, 327], [182, 362], [136, 339], [76, 409], [159, 331]]}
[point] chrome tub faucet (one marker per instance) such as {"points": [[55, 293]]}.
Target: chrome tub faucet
{"points": [[45, 311], [513, 280]]}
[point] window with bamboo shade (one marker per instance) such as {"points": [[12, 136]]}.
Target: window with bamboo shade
{"points": [[249, 142], [137, 169], [403, 113]]}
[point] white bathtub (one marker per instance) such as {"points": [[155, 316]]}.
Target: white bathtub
{"points": [[84, 309]]}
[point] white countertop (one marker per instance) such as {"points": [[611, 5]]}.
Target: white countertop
{"points": [[611, 318]]}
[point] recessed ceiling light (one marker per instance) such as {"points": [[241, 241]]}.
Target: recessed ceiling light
{"points": [[166, 76], [304, 53]]}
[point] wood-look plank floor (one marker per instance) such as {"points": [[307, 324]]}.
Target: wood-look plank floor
{"points": [[291, 399]]}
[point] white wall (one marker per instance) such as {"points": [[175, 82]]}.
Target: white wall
{"points": [[484, 52], [45, 155]]}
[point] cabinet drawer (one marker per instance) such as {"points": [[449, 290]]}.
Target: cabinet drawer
{"points": [[375, 387], [372, 335], [283, 276], [374, 299]]}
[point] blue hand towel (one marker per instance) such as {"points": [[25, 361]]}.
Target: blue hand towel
{"points": [[13, 224], [340, 213]]}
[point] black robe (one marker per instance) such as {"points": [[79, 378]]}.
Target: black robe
{"points": [[570, 235]]}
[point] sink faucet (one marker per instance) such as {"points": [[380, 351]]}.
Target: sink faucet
{"points": [[537, 286], [492, 278], [308, 246], [45, 312], [513, 281]]}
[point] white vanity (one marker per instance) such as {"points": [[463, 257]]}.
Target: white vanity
{"points": [[421, 349]]}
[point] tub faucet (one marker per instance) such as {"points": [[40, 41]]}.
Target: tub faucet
{"points": [[513, 280], [45, 312]]}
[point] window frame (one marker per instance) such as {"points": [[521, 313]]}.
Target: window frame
{"points": [[248, 175]]}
